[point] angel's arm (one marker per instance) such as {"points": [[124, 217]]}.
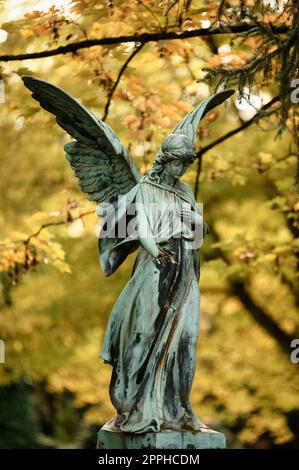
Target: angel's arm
{"points": [[145, 234], [150, 246]]}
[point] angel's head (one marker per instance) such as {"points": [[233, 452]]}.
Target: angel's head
{"points": [[176, 153]]}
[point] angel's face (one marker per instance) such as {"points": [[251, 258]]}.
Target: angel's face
{"points": [[176, 168]]}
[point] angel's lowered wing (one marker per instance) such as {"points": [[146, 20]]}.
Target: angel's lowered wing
{"points": [[101, 163]]}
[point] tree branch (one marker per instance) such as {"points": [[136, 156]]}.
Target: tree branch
{"points": [[26, 242], [141, 38], [220, 8], [240, 290], [198, 172], [53, 224], [120, 74], [261, 317], [226, 136]]}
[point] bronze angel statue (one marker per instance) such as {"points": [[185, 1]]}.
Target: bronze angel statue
{"points": [[151, 337]]}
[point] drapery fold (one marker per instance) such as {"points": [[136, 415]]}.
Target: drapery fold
{"points": [[152, 331]]}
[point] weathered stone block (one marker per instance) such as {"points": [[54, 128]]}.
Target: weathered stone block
{"points": [[110, 437]]}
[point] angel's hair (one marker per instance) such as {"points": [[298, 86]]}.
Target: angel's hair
{"points": [[175, 147]]}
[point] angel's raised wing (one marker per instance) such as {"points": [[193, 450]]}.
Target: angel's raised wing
{"points": [[189, 124], [101, 163]]}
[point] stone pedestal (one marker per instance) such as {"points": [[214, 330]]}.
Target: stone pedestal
{"points": [[110, 437]]}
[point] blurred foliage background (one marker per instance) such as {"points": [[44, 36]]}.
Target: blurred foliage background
{"points": [[55, 302]]}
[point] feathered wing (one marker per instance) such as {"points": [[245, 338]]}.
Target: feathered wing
{"points": [[189, 124], [101, 163]]}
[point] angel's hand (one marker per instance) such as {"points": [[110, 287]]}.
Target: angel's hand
{"points": [[165, 257], [188, 216]]}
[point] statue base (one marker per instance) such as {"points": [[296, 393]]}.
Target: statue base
{"points": [[111, 437]]}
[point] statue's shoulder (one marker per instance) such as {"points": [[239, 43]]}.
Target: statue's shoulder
{"points": [[145, 180], [145, 190], [185, 187], [154, 186], [181, 189], [146, 183]]}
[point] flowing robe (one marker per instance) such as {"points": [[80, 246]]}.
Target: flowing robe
{"points": [[152, 332]]}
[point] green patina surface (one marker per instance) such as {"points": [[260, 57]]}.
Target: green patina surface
{"points": [[151, 337]]}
